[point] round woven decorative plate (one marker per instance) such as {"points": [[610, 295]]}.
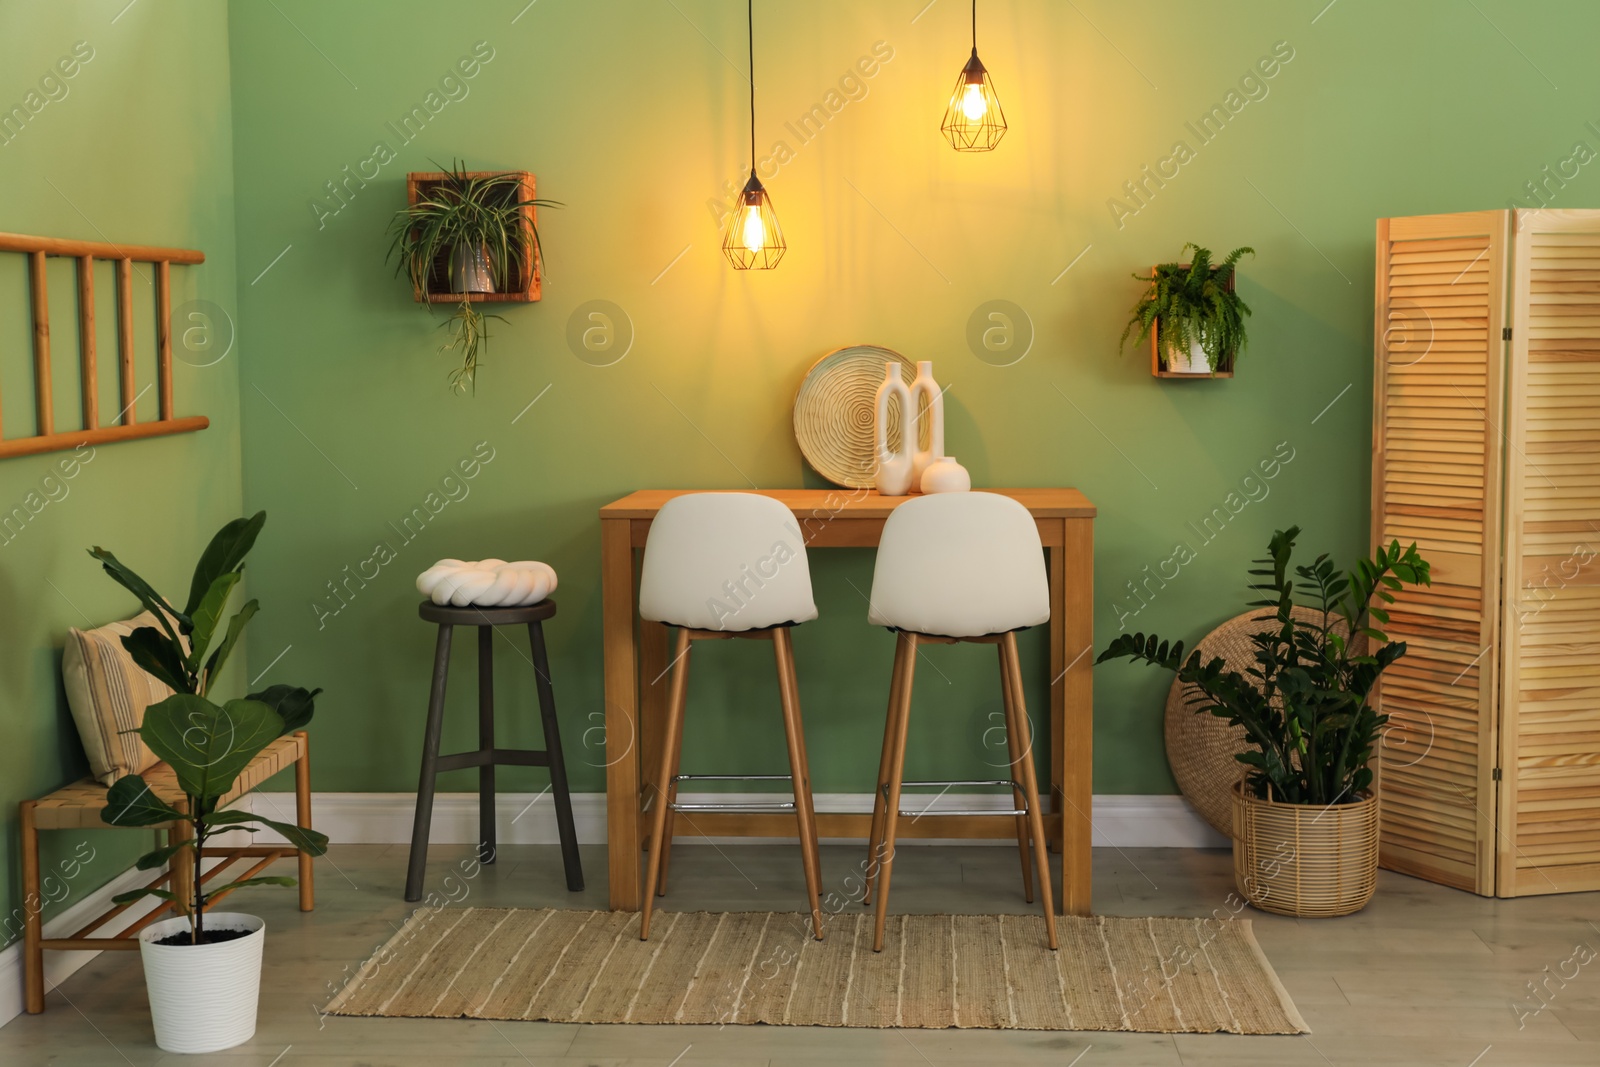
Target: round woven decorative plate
{"points": [[833, 413], [1200, 746]]}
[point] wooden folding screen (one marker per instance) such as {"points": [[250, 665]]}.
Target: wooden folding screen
{"points": [[46, 438], [1549, 815], [1494, 486]]}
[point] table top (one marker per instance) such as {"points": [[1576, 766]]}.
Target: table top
{"points": [[855, 503]]}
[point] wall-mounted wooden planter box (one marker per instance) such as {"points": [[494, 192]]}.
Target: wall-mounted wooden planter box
{"points": [[525, 288], [1158, 365]]}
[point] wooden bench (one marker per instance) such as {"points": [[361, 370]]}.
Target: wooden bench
{"points": [[78, 806]]}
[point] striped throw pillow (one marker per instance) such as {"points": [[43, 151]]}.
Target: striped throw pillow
{"points": [[108, 693]]}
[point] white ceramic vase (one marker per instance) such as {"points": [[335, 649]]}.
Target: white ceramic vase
{"points": [[930, 426], [945, 475], [894, 474], [203, 997]]}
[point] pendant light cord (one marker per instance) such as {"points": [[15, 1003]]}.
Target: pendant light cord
{"points": [[750, 27], [974, 25]]}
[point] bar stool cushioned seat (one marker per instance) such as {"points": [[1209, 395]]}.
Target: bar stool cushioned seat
{"points": [[960, 565], [725, 561]]}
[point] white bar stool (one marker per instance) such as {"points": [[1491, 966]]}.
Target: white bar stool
{"points": [[719, 566], [958, 567]]}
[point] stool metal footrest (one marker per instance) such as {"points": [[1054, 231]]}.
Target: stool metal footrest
{"points": [[904, 814], [748, 809]]}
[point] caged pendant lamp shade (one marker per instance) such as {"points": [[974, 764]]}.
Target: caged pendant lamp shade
{"points": [[753, 239], [973, 121]]}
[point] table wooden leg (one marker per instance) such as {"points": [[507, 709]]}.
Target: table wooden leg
{"points": [[617, 600], [1072, 707]]}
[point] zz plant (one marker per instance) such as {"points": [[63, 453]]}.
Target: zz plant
{"points": [[206, 745], [464, 219], [1194, 301], [1304, 701]]}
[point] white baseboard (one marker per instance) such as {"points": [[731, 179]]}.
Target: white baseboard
{"points": [[59, 966], [1120, 820]]}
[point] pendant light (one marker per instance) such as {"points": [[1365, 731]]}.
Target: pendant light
{"points": [[753, 240], [974, 122]]}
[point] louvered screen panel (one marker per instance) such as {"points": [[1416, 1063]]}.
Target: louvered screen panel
{"points": [[1438, 381], [1550, 689]]}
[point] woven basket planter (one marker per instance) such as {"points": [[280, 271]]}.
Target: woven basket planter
{"points": [[1305, 859]]}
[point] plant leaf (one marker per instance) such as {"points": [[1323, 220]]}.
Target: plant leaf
{"points": [[153, 601], [303, 838], [270, 879], [293, 704], [139, 894], [131, 802], [225, 553], [159, 656], [207, 614], [151, 860], [231, 638], [206, 745]]}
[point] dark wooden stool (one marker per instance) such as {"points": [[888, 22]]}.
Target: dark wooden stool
{"points": [[488, 757]]}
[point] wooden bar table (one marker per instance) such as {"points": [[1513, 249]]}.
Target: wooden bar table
{"points": [[636, 652]]}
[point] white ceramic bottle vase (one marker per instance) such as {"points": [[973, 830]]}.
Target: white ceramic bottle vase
{"points": [[893, 476], [928, 425]]}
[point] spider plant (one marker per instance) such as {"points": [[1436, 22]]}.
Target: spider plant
{"points": [[478, 226], [1194, 302]]}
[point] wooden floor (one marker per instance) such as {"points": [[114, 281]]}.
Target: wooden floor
{"points": [[1424, 976]]}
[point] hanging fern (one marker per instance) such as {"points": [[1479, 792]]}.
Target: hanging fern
{"points": [[1193, 302]]}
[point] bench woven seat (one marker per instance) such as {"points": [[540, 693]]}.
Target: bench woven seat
{"points": [[78, 806]]}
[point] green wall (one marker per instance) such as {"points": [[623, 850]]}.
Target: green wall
{"points": [[134, 147], [634, 115]]}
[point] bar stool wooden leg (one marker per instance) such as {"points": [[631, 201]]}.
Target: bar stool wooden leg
{"points": [[670, 789], [302, 816], [430, 757], [571, 863], [875, 836], [897, 766], [486, 836], [1019, 801], [32, 922], [1030, 784], [789, 696], [805, 759], [671, 741]]}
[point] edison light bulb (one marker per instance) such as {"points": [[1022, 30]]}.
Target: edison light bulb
{"points": [[973, 103], [755, 231]]}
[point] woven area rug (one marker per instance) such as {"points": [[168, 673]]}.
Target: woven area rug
{"points": [[982, 971]]}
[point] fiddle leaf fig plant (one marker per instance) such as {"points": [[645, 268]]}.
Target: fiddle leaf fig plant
{"points": [[207, 745], [1304, 700], [1193, 302]]}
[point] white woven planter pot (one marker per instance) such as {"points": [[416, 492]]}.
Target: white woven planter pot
{"points": [[203, 997]]}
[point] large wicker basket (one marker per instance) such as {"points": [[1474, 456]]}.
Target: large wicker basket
{"points": [[1305, 859]]}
